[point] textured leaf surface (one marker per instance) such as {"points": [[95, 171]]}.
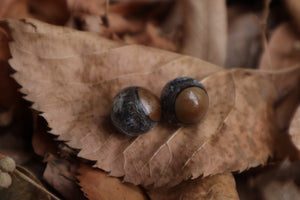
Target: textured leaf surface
{"points": [[72, 77], [218, 187]]}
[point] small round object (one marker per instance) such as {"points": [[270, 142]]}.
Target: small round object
{"points": [[184, 100], [7, 164], [135, 111], [5, 180]]}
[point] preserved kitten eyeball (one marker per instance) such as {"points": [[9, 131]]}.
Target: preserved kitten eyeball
{"points": [[135, 111], [184, 100]]}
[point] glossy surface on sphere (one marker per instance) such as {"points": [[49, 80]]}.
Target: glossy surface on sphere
{"points": [[184, 100], [135, 111], [191, 104], [150, 104]]}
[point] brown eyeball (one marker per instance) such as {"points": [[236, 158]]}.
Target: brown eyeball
{"points": [[135, 111], [184, 100]]}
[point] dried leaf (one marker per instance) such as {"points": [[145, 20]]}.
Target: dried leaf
{"points": [[51, 11], [294, 7], [96, 184], [119, 24], [213, 187], [5, 4], [281, 52], [96, 7], [174, 21], [61, 175], [244, 39], [151, 37], [278, 191], [14, 9], [273, 182], [94, 23], [205, 29], [279, 55], [295, 129], [73, 76]]}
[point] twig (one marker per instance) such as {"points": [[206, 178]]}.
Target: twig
{"points": [[29, 180]]}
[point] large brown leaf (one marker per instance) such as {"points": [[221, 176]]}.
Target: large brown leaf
{"points": [[72, 77]]}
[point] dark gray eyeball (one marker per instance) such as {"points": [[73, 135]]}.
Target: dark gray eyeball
{"points": [[184, 100], [135, 111]]}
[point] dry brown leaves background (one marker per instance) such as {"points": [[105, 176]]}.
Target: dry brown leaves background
{"points": [[71, 77]]}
